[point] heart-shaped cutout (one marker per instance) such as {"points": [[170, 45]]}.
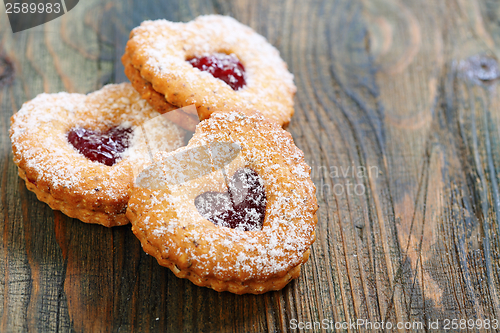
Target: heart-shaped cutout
{"points": [[103, 147], [243, 206], [225, 67]]}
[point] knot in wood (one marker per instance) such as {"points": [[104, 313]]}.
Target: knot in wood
{"points": [[480, 69]]}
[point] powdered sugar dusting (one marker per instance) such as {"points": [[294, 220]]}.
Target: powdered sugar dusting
{"points": [[225, 253], [163, 47], [39, 141]]}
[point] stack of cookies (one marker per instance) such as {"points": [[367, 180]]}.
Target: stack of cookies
{"points": [[233, 209]]}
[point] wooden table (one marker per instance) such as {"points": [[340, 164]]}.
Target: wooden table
{"points": [[402, 92]]}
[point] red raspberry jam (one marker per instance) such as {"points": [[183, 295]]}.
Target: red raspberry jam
{"points": [[243, 206], [225, 67], [103, 147]]}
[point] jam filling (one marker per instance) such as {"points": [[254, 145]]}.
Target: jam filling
{"points": [[224, 67], [103, 147], [243, 206]]}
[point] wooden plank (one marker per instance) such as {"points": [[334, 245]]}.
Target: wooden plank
{"points": [[438, 147], [396, 97]]}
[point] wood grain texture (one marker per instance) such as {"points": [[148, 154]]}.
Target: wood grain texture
{"points": [[396, 112]]}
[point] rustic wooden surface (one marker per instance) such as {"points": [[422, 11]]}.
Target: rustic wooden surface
{"points": [[408, 88]]}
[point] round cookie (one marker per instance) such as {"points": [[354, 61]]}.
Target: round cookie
{"points": [[115, 122], [156, 62], [207, 247]]}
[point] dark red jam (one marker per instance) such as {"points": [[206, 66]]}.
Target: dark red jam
{"points": [[243, 206], [103, 147], [225, 67]]}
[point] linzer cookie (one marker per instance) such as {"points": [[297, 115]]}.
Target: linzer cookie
{"points": [[234, 210], [213, 62], [80, 153]]}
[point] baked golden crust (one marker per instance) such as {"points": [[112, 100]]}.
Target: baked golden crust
{"points": [[144, 88], [159, 49], [78, 210], [67, 180], [171, 229], [156, 100]]}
